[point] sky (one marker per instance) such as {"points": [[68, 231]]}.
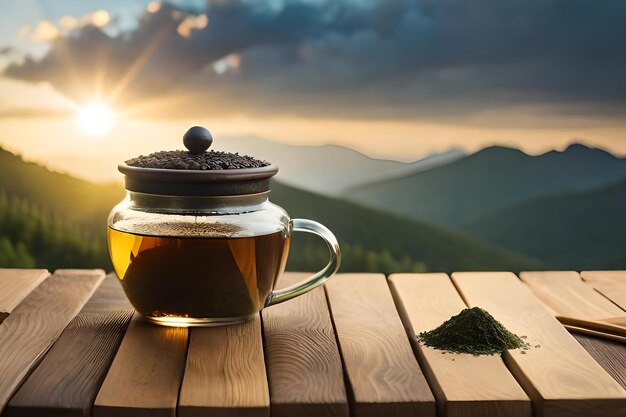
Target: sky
{"points": [[85, 84]]}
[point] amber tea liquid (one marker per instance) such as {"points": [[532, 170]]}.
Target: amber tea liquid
{"points": [[197, 277]]}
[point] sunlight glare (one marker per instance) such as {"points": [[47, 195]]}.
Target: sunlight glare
{"points": [[95, 119]]}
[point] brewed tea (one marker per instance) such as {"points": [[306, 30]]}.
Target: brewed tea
{"points": [[198, 277]]}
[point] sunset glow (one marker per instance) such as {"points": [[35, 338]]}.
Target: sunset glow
{"points": [[95, 119], [138, 74]]}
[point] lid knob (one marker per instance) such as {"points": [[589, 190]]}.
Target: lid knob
{"points": [[197, 139]]}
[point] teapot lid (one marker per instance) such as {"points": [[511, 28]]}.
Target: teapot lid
{"points": [[196, 172]]}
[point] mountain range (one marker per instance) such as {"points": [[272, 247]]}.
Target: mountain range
{"points": [[489, 181], [330, 169]]}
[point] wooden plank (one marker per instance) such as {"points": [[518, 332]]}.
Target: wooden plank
{"points": [[464, 385], [567, 295], [15, 285], [67, 380], [225, 373], [145, 375], [611, 284], [610, 355], [302, 357], [383, 374], [37, 321], [560, 377]]}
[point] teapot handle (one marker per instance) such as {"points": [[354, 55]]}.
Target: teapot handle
{"points": [[309, 226]]}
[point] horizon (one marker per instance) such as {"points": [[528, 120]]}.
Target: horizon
{"points": [[117, 177]]}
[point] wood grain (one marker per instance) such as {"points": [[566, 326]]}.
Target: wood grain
{"points": [[611, 284], [561, 378], [109, 297], [302, 357], [37, 321], [610, 355], [146, 373], [567, 295], [383, 373], [15, 285], [619, 321], [463, 384], [67, 380], [225, 373]]}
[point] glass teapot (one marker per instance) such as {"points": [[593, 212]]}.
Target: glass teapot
{"points": [[197, 246]]}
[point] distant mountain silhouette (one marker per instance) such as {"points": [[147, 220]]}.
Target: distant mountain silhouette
{"points": [[330, 169], [578, 230], [489, 181], [49, 219]]}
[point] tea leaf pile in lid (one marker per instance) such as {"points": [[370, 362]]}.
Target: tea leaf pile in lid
{"points": [[197, 172], [197, 140]]}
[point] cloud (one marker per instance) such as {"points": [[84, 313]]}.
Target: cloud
{"points": [[44, 31], [153, 7], [99, 19], [389, 59], [190, 23], [230, 62]]}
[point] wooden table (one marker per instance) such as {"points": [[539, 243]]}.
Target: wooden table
{"points": [[71, 345]]}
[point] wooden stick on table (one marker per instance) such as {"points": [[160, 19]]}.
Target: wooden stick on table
{"points": [[596, 325], [595, 333]]}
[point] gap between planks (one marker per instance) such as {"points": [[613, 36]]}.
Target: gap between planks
{"points": [[566, 294], [225, 373], [383, 373], [302, 357], [15, 285], [145, 376], [68, 378], [611, 284]]}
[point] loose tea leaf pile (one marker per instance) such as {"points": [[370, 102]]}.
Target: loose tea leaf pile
{"points": [[204, 161], [473, 331], [197, 140]]}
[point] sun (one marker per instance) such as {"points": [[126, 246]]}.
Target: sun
{"points": [[95, 119]]}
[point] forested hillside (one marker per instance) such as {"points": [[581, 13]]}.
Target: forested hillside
{"points": [[393, 243], [32, 237], [579, 230]]}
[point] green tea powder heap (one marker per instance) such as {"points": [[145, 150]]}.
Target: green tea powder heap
{"points": [[473, 331]]}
